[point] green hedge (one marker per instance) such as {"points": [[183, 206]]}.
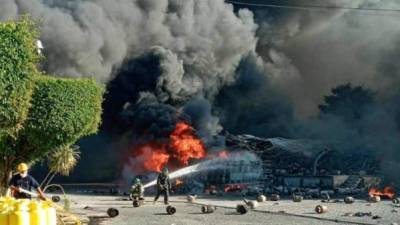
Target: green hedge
{"points": [[38, 114], [18, 60], [63, 110]]}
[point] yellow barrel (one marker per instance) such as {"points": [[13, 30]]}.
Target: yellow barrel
{"points": [[4, 211], [51, 213], [9, 201], [19, 215], [37, 214]]}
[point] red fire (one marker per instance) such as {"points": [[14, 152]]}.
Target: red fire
{"points": [[182, 146], [224, 154], [388, 192], [178, 182], [235, 187], [185, 144]]}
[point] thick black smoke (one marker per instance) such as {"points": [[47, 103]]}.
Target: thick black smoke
{"points": [[253, 105], [309, 52], [201, 42], [135, 100]]}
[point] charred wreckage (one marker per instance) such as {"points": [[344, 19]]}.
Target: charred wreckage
{"points": [[287, 167]]}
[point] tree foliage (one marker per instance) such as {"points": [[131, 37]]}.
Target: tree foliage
{"points": [[38, 114], [18, 67], [63, 110], [347, 102], [63, 159]]}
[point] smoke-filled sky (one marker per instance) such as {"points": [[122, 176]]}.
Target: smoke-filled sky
{"points": [[308, 52], [251, 69], [200, 42], [305, 52]]}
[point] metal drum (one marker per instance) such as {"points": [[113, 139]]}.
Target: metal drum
{"points": [[171, 210], [297, 198], [349, 200], [207, 209], [275, 197], [112, 212], [321, 209], [261, 198]]}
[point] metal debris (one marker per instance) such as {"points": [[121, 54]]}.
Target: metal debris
{"points": [[376, 217], [362, 214]]}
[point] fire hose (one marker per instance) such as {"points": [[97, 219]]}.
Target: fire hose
{"points": [[35, 195]]}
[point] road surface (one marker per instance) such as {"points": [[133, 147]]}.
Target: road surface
{"points": [[284, 212]]}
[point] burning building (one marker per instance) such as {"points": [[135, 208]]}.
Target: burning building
{"points": [[303, 164]]}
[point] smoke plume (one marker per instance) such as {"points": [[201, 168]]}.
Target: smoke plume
{"points": [[311, 51], [200, 42]]}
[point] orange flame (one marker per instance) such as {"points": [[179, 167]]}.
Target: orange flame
{"points": [[388, 192], [185, 145], [234, 187], [153, 156], [182, 146], [178, 182], [224, 154]]}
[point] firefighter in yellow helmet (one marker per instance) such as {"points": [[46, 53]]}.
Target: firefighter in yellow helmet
{"points": [[22, 181]]}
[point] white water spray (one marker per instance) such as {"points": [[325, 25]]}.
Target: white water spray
{"points": [[212, 164], [202, 166]]}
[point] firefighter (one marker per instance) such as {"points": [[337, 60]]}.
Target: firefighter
{"points": [[22, 181], [163, 186], [137, 190]]}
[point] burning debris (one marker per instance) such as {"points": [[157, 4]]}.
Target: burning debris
{"points": [[305, 166], [387, 192], [181, 146]]}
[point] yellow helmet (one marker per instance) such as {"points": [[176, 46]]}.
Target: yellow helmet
{"points": [[22, 167]]}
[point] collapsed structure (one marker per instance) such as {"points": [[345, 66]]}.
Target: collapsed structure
{"points": [[295, 165]]}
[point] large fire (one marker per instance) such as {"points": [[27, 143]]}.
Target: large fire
{"points": [[387, 192], [185, 144], [182, 146]]}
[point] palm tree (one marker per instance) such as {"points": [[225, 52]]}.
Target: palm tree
{"points": [[61, 161]]}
